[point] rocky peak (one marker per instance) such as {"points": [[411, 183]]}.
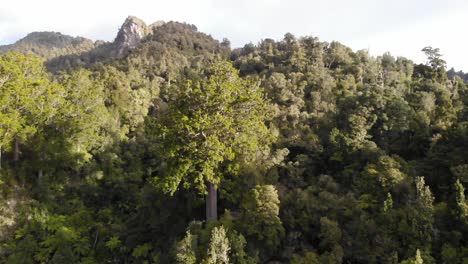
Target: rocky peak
{"points": [[133, 30]]}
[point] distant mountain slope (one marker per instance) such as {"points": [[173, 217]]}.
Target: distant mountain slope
{"points": [[451, 73], [162, 48], [50, 45]]}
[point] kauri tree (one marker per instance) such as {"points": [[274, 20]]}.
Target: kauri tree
{"points": [[28, 99], [211, 126]]}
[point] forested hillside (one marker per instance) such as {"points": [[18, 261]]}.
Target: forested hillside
{"points": [[49, 45], [168, 146]]}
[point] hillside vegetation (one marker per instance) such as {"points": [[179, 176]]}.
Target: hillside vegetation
{"points": [[49, 45], [171, 147]]}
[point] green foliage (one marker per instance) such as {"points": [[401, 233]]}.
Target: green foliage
{"points": [[320, 165], [388, 203], [213, 243], [184, 252], [330, 232], [387, 171], [141, 250], [28, 98], [48, 45], [425, 198], [416, 260], [449, 253], [260, 216], [461, 203], [85, 118], [56, 238], [434, 57], [210, 124], [219, 248], [113, 243], [309, 257]]}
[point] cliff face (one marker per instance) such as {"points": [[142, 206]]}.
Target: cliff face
{"points": [[130, 35], [51, 45]]}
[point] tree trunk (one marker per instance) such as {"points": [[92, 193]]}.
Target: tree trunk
{"points": [[17, 150], [0, 157], [211, 202], [40, 175]]}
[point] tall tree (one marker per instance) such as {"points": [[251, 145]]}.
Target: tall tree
{"points": [[211, 126], [28, 99], [434, 58]]}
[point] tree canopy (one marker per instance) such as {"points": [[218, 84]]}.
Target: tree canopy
{"points": [[309, 152]]}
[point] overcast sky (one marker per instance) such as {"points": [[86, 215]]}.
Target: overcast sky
{"points": [[402, 27]]}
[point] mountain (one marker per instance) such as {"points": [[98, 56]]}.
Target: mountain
{"points": [[50, 45], [452, 73], [161, 47], [171, 43], [106, 160]]}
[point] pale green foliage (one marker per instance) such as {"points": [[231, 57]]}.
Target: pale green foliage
{"points": [[219, 248], [214, 243], [387, 171], [425, 198], [211, 123], [434, 57], [130, 94], [142, 250], [113, 243], [283, 91], [359, 124], [427, 106], [388, 203], [28, 99], [462, 205], [185, 253], [355, 134], [416, 260], [260, 215], [424, 218], [85, 118], [237, 241], [338, 55]]}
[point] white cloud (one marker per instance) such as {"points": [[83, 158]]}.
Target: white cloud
{"points": [[443, 31], [400, 26]]}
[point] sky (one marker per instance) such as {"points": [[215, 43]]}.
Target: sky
{"points": [[401, 27]]}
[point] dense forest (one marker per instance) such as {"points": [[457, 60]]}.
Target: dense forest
{"points": [[168, 146]]}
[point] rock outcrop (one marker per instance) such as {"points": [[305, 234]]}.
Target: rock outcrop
{"points": [[131, 33], [55, 45]]}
